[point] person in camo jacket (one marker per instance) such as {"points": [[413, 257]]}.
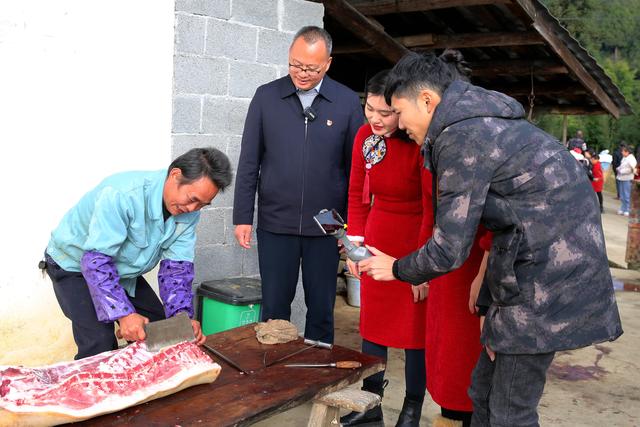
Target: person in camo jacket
{"points": [[547, 287], [120, 230]]}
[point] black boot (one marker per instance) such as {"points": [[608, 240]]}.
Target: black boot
{"points": [[370, 418], [410, 414]]}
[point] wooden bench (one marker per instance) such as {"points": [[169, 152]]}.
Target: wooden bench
{"points": [[325, 411]]}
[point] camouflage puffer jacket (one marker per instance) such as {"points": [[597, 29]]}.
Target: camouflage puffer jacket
{"points": [[548, 274]]}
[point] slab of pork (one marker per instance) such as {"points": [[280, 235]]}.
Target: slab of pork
{"points": [[107, 382]]}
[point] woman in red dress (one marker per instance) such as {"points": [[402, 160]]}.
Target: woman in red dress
{"points": [[453, 334], [385, 211]]}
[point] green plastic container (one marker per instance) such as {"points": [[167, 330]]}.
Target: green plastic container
{"points": [[228, 303]]}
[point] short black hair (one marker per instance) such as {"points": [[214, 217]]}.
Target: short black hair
{"points": [[208, 161], [415, 72], [377, 84], [312, 34]]}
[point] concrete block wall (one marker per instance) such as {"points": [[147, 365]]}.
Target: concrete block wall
{"points": [[224, 50]]}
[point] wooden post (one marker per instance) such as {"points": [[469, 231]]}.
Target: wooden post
{"points": [[565, 121], [632, 255]]}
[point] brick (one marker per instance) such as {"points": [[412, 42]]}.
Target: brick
{"points": [[221, 115], [214, 262], [300, 13], [225, 198], [230, 228], [273, 47], [298, 307], [183, 143], [231, 40], [199, 75], [213, 8], [250, 261], [263, 13], [283, 70], [233, 150], [186, 114], [245, 77], [190, 34], [210, 229]]}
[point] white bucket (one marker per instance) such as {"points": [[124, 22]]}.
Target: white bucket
{"points": [[353, 290]]}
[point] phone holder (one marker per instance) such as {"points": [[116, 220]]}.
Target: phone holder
{"points": [[332, 224]]}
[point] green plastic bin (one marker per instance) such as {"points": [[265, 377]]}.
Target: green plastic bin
{"points": [[228, 303]]}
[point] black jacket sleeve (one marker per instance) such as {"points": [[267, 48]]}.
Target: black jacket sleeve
{"points": [[464, 171], [248, 164]]}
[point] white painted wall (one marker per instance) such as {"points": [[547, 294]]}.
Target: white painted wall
{"points": [[85, 91]]}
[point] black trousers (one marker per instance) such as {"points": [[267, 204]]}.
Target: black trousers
{"points": [[92, 336], [279, 258], [415, 371]]}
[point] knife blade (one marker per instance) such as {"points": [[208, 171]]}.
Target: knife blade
{"points": [[224, 358], [343, 364]]}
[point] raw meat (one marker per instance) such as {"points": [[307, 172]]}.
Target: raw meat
{"points": [[107, 382]]}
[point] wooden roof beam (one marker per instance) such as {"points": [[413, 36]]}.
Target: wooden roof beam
{"points": [[575, 66], [364, 29], [385, 7], [454, 41], [569, 110], [516, 67], [553, 89]]}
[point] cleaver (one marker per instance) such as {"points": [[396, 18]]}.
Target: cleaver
{"points": [[164, 333]]}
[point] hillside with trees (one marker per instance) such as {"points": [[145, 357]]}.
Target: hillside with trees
{"points": [[610, 31]]}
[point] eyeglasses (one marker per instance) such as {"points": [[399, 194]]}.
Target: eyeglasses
{"points": [[308, 70]]}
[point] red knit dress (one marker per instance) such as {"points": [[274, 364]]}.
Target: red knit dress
{"points": [[390, 220], [453, 338]]}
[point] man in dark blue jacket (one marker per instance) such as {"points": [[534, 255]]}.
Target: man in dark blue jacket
{"points": [[296, 151]]}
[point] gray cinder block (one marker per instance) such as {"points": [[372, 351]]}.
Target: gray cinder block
{"points": [[189, 36], [213, 8], [224, 115], [186, 114], [231, 40], [201, 75], [300, 13], [245, 77], [263, 13], [273, 47]]}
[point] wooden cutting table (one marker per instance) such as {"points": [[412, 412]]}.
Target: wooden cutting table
{"points": [[236, 399]]}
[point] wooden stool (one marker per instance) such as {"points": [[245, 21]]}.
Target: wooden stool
{"points": [[326, 409]]}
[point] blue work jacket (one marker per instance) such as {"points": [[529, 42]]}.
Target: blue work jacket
{"points": [[298, 166], [122, 218]]}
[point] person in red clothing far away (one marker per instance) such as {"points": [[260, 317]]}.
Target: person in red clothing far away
{"points": [[598, 177]]}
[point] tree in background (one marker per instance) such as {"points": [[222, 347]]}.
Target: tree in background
{"points": [[610, 31]]}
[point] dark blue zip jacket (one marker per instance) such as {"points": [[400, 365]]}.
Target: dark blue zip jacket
{"points": [[297, 167]]}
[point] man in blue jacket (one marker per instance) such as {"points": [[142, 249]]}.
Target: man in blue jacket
{"points": [[120, 230], [296, 152]]}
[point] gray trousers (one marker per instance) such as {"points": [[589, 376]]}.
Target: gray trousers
{"points": [[506, 392]]}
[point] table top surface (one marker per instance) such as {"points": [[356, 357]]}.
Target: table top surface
{"points": [[239, 399]]}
